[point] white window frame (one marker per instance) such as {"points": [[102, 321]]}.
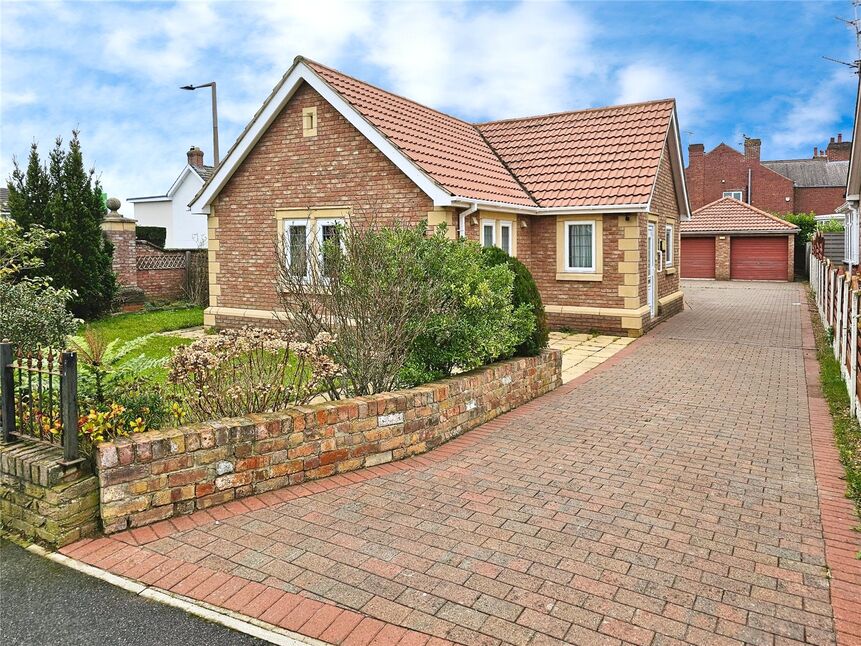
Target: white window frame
{"points": [[507, 224], [492, 225], [669, 236], [733, 194], [287, 223], [318, 238], [567, 244]]}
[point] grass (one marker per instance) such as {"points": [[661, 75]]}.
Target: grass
{"points": [[133, 325], [847, 431]]}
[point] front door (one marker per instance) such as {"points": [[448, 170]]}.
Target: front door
{"points": [[650, 270]]}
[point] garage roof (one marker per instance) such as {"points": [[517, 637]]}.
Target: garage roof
{"points": [[728, 215]]}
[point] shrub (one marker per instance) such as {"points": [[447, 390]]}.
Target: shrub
{"points": [[154, 235], [34, 314], [373, 289], [482, 325], [64, 197], [252, 370], [804, 221], [830, 226], [524, 292]]}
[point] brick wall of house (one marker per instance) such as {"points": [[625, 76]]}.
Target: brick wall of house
{"points": [[726, 169], [666, 206], [819, 199], [337, 167], [160, 474]]}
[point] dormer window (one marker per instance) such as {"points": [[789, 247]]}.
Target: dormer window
{"points": [[309, 122]]}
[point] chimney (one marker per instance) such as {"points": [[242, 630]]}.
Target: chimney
{"points": [[751, 149], [195, 157], [695, 174], [838, 150], [696, 150], [815, 152]]}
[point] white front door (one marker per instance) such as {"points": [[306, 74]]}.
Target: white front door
{"points": [[651, 283]]}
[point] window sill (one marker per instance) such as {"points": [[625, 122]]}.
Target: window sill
{"points": [[573, 275], [670, 271]]}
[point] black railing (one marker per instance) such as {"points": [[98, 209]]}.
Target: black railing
{"points": [[39, 393]]}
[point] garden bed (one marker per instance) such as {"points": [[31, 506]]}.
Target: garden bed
{"points": [[156, 475]]}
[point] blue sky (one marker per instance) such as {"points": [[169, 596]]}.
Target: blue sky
{"points": [[112, 70]]}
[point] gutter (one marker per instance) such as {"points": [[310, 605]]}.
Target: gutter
{"points": [[742, 232], [461, 231], [506, 207]]}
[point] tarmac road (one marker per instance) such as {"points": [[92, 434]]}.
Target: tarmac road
{"points": [[43, 603]]}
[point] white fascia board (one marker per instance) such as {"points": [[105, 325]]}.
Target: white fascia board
{"points": [[742, 232], [673, 138], [301, 72], [179, 180], [154, 198], [504, 207]]}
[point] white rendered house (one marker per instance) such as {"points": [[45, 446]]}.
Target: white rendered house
{"points": [[185, 230]]}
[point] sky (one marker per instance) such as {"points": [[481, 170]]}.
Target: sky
{"points": [[112, 70]]}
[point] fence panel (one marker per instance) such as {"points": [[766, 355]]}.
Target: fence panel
{"points": [[40, 397]]}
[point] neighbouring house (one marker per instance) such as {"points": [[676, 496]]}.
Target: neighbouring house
{"points": [[850, 209], [589, 200], [814, 185], [185, 229], [732, 240]]}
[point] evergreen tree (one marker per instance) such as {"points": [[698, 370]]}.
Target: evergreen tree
{"points": [[66, 198]]}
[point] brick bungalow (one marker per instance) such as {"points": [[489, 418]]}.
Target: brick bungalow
{"points": [[590, 200], [813, 185], [728, 239]]}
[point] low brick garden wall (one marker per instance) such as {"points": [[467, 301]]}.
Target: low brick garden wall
{"points": [[43, 501], [160, 474]]}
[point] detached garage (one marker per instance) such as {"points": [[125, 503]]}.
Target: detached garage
{"points": [[729, 239]]}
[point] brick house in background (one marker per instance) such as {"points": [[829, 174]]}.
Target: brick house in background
{"points": [[781, 186], [589, 201]]}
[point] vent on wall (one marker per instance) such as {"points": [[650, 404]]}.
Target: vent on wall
{"points": [[309, 122]]}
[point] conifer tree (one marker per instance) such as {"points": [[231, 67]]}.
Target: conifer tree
{"points": [[66, 198]]}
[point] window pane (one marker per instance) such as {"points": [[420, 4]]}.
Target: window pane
{"points": [[298, 240], [669, 245], [487, 236], [331, 249], [580, 246], [505, 239]]}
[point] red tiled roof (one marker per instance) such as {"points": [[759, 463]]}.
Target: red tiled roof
{"points": [[599, 156], [604, 156], [728, 214], [452, 152]]}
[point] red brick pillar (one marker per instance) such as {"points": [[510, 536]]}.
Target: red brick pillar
{"points": [[722, 245], [120, 230]]}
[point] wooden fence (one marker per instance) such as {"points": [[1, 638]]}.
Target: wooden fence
{"points": [[838, 299]]}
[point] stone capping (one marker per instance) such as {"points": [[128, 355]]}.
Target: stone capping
{"points": [[42, 500], [156, 475]]}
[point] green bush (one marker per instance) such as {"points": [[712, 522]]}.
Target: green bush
{"points": [[481, 326], [153, 235], [804, 221], [34, 314], [830, 226], [525, 291]]}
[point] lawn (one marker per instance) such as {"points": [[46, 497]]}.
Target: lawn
{"points": [[131, 326]]}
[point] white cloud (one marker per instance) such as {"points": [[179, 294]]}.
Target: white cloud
{"points": [[487, 61], [812, 115], [645, 81]]}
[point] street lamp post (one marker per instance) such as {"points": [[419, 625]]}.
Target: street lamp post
{"points": [[211, 84]]}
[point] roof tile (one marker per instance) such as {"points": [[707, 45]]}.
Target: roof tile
{"points": [[604, 156], [728, 214]]}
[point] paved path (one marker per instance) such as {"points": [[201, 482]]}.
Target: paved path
{"points": [[668, 496], [582, 352], [47, 604]]}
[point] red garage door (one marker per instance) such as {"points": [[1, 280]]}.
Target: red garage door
{"points": [[698, 257], [759, 258]]}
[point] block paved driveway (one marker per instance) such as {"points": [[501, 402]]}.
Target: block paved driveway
{"points": [[668, 497]]}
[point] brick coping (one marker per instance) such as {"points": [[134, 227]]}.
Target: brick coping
{"points": [[836, 511]]}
